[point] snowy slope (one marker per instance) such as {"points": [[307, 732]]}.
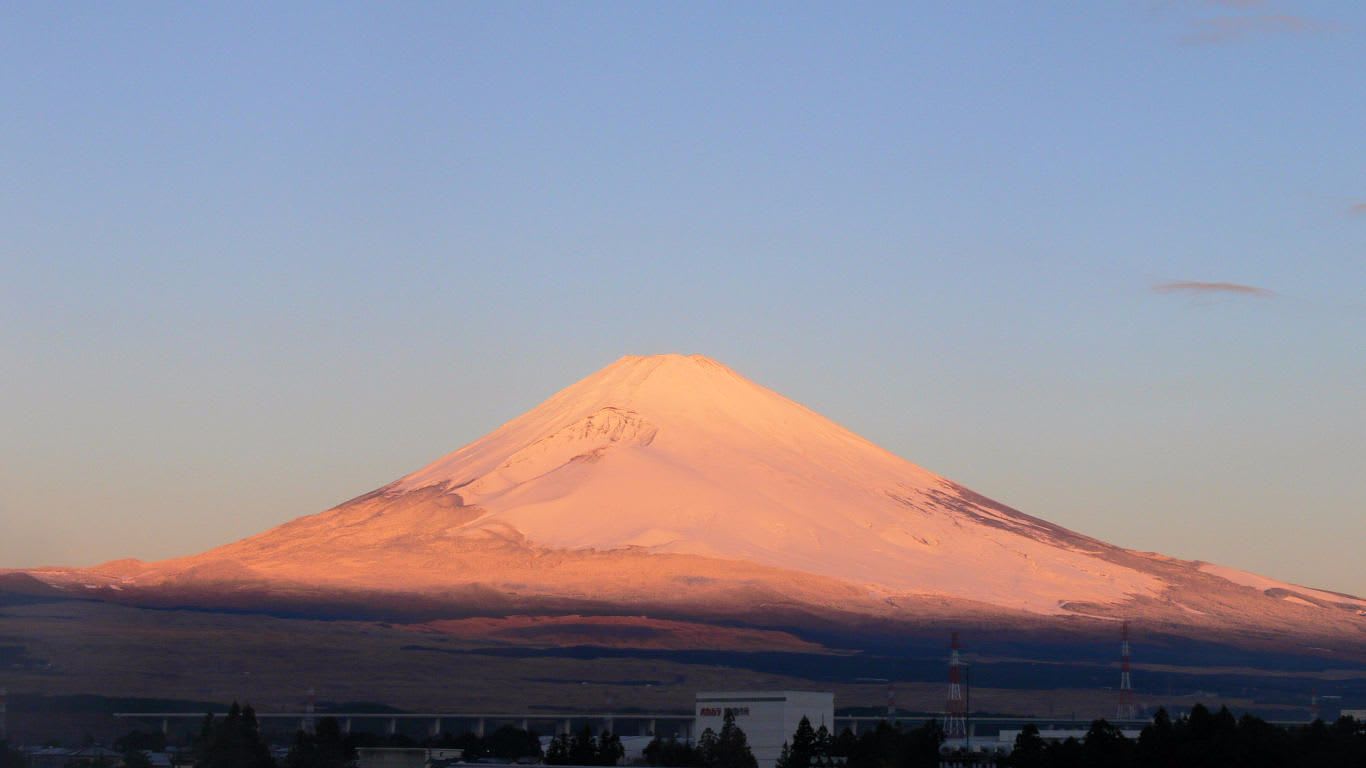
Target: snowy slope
{"points": [[670, 476]]}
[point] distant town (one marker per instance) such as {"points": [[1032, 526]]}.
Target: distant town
{"points": [[728, 729]]}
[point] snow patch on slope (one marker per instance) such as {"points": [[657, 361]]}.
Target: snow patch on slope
{"points": [[585, 440], [1273, 588]]}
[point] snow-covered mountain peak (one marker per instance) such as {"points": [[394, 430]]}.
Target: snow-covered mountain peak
{"points": [[664, 476]]}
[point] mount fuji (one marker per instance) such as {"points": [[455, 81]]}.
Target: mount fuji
{"points": [[672, 485]]}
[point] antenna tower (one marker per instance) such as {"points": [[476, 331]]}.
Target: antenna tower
{"points": [[1126, 687], [955, 711]]}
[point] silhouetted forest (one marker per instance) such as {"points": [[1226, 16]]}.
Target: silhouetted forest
{"points": [[1202, 739], [727, 749]]}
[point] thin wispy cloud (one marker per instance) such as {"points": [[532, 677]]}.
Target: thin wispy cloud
{"points": [[1358, 210], [1205, 288], [1232, 29]]}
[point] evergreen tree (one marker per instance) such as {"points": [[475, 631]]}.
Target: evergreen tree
{"points": [[844, 745], [822, 748], [886, 746], [921, 745], [798, 753], [731, 749], [1029, 749], [785, 757], [1105, 747], [583, 748], [808, 748], [1263, 745], [671, 753], [509, 742], [557, 753], [233, 742], [610, 750], [1157, 741], [706, 747], [1065, 754], [324, 748]]}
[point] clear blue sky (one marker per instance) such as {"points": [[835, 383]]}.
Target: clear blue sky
{"points": [[260, 258]]}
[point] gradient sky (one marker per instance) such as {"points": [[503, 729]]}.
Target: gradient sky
{"points": [[1105, 262]]}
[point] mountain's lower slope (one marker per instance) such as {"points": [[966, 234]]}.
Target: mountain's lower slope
{"points": [[58, 644], [673, 483]]}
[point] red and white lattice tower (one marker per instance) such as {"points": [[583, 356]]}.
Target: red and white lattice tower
{"points": [[891, 701], [1313, 704], [955, 711], [310, 707], [1126, 686], [4, 731]]}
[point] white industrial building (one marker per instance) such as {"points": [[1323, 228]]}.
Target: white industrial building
{"points": [[768, 718]]}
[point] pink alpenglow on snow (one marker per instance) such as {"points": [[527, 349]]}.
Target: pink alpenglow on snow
{"points": [[673, 480]]}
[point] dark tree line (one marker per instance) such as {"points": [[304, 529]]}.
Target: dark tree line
{"points": [[727, 749], [507, 742], [1202, 739], [583, 748], [886, 746], [671, 752], [236, 742], [136, 744]]}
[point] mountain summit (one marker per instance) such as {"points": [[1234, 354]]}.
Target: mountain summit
{"points": [[672, 479]]}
